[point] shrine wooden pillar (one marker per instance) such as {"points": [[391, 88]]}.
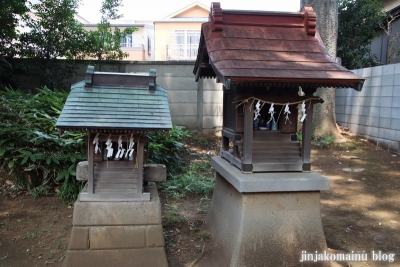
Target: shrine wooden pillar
{"points": [[247, 162], [139, 162], [306, 137], [90, 189]]}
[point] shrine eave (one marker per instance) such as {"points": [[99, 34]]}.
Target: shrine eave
{"points": [[112, 130], [230, 82]]}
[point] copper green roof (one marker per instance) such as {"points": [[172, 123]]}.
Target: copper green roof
{"points": [[116, 107]]}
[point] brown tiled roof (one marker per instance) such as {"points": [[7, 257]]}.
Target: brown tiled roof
{"points": [[278, 48]]}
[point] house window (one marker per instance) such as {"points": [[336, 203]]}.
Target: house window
{"points": [[126, 41], [183, 44]]}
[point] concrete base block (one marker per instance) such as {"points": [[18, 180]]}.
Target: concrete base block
{"points": [[115, 237], [117, 234], [79, 238], [262, 228], [146, 257], [119, 212]]}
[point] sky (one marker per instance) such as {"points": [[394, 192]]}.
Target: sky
{"points": [[158, 9]]}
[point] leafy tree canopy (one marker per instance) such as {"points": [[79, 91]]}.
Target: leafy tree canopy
{"points": [[105, 41], [54, 32], [358, 25], [11, 11]]}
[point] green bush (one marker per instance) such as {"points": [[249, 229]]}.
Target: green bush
{"points": [[168, 148], [196, 180], [324, 141], [31, 148]]}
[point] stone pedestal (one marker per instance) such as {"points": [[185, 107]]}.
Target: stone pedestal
{"points": [[119, 234], [264, 219]]}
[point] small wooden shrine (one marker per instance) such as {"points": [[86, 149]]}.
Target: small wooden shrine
{"points": [[270, 65], [117, 109]]}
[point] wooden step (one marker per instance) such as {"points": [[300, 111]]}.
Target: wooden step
{"points": [[274, 154], [257, 144], [120, 182], [120, 185], [268, 135], [126, 175], [115, 164]]}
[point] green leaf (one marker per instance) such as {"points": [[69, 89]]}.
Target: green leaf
{"points": [[48, 160], [60, 176], [3, 141], [33, 157], [25, 160], [24, 152], [2, 151], [71, 167], [55, 160], [10, 164], [73, 158]]}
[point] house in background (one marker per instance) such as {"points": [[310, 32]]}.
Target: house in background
{"points": [[81, 19], [139, 44], [379, 46], [177, 36]]}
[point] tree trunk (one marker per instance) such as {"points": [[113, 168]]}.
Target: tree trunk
{"points": [[327, 24]]}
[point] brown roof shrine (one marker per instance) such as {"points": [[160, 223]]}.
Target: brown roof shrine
{"points": [[268, 48], [269, 63]]}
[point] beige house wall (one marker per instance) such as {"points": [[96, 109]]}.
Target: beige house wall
{"points": [[162, 35], [163, 28], [194, 12]]}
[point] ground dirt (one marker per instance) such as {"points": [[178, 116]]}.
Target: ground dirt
{"points": [[359, 213]]}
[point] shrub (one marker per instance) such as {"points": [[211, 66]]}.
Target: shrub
{"points": [[168, 148], [196, 180], [31, 148], [324, 141]]}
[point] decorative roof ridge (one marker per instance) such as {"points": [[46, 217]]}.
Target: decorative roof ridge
{"points": [[219, 17], [310, 20], [215, 17], [262, 12]]}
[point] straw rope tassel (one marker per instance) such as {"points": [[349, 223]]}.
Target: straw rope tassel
{"points": [[303, 110]]}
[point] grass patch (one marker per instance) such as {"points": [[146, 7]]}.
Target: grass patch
{"points": [[324, 141], [195, 180]]}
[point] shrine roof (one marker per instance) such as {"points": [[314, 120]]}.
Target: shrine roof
{"points": [[122, 105], [278, 48]]}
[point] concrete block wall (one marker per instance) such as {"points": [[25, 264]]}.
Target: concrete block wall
{"points": [[196, 105], [375, 111], [210, 105], [178, 79]]}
